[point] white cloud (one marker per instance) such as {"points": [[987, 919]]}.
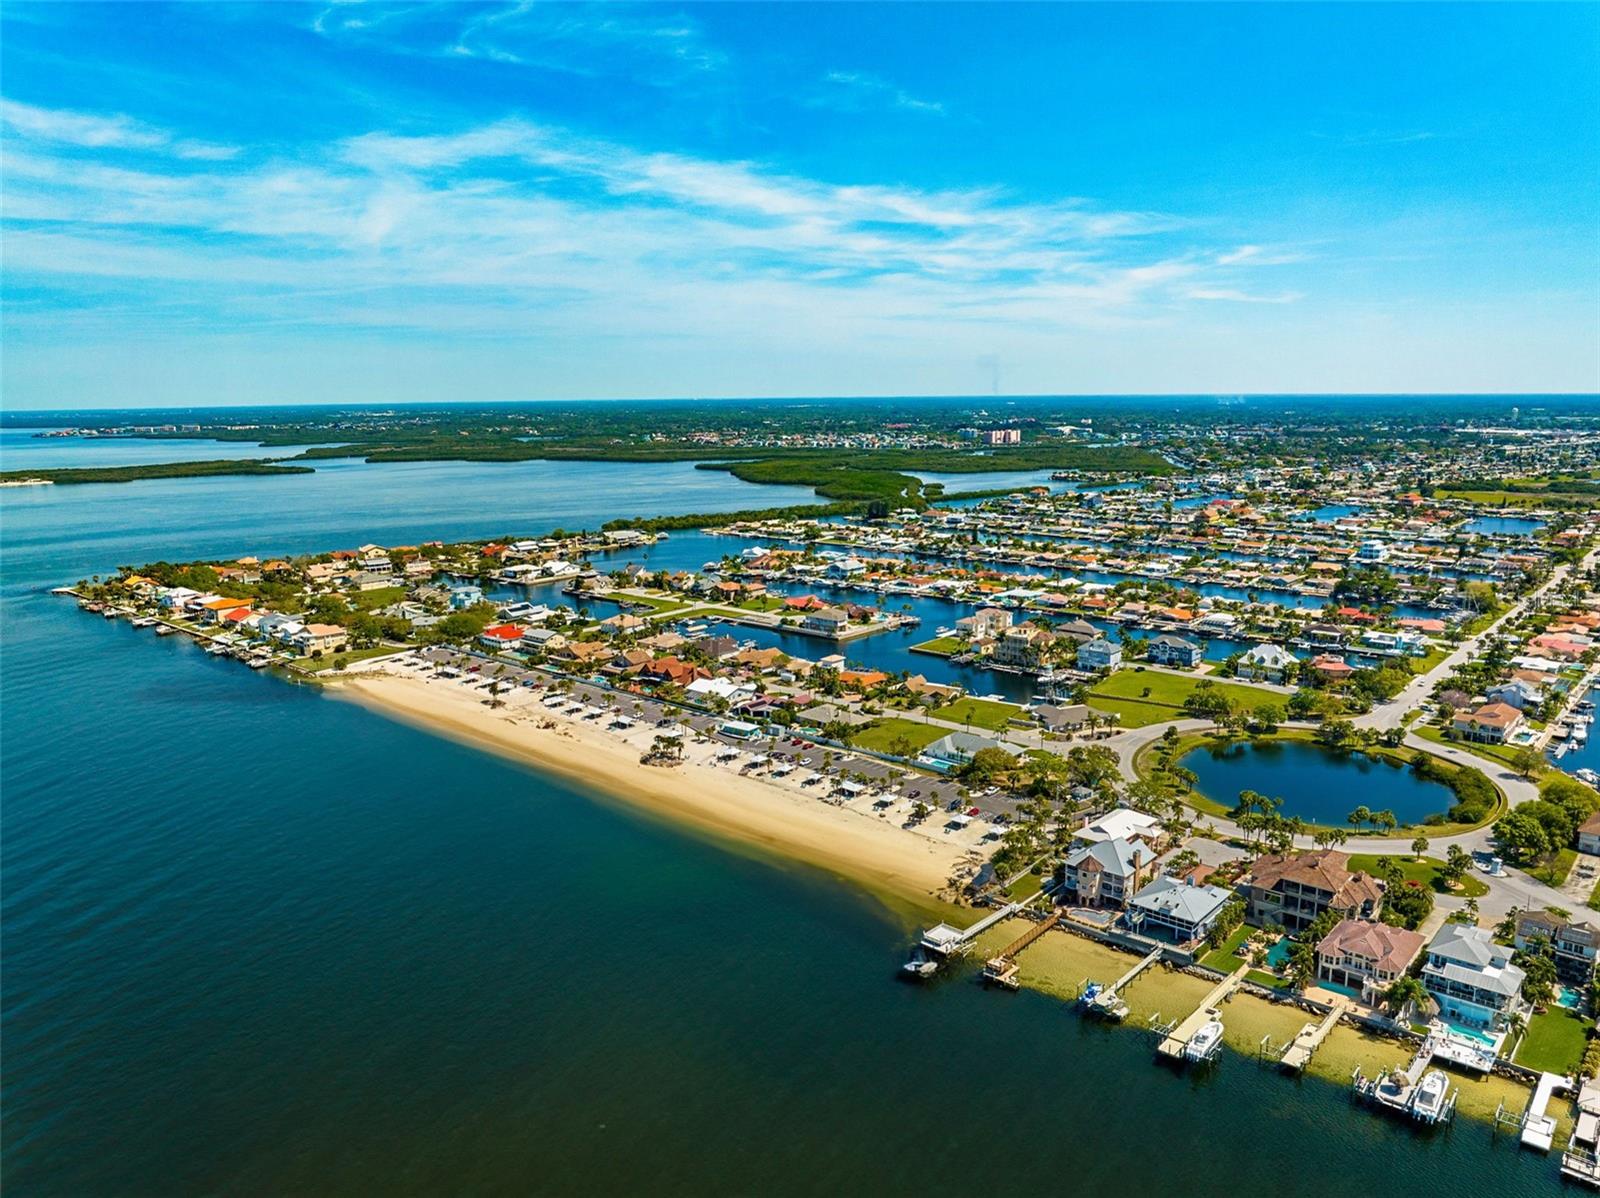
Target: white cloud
{"points": [[515, 228], [96, 132]]}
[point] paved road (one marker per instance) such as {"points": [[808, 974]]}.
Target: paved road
{"points": [[1420, 688]]}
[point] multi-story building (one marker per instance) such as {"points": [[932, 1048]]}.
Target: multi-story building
{"points": [[1291, 890]]}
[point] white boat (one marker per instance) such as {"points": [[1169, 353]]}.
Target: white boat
{"points": [[921, 964], [166, 630], [1428, 1103], [1203, 1045], [144, 622]]}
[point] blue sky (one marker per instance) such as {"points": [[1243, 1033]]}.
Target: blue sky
{"points": [[366, 202]]}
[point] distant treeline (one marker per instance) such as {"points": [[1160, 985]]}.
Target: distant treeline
{"points": [[128, 474]]}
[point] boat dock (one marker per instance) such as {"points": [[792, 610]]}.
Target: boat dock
{"points": [[1108, 1002], [1176, 1041], [1002, 969], [1537, 1127], [941, 942], [1298, 1055]]}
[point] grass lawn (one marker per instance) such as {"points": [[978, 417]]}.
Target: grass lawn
{"points": [[1223, 959], [1554, 1041], [1262, 978], [1173, 689], [348, 656], [881, 736], [1553, 870], [980, 713], [1133, 714], [1026, 886], [942, 645], [1594, 897], [381, 597], [1427, 872]]}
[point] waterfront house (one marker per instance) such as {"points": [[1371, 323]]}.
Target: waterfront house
{"points": [[1080, 631], [319, 638], [464, 596], [1270, 663], [1108, 872], [830, 621], [1366, 956], [954, 750], [1573, 945], [1291, 890], [1516, 692], [1331, 667], [1491, 724], [846, 567], [1174, 651], [1177, 911], [1471, 977], [984, 623], [498, 637], [1099, 654], [1021, 647]]}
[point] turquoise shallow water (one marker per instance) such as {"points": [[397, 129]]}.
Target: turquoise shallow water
{"points": [[261, 941]]}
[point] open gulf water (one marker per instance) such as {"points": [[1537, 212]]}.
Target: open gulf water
{"points": [[261, 941]]}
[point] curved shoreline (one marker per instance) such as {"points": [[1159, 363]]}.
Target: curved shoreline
{"points": [[909, 869]]}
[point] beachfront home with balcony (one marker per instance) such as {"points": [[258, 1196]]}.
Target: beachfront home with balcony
{"points": [[1108, 872], [1471, 977], [319, 638], [1365, 956], [1176, 910], [1290, 891]]}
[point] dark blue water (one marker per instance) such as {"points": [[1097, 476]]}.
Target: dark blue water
{"points": [[1317, 784], [260, 941]]}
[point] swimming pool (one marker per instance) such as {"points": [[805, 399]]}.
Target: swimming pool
{"points": [[1337, 988], [1569, 998], [1475, 1035], [1278, 954]]}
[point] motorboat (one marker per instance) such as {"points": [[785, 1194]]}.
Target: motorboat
{"points": [[1203, 1045], [1428, 1103], [921, 964]]}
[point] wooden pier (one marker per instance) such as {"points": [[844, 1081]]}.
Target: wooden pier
{"points": [[1175, 1041], [1108, 1002], [1298, 1055], [941, 942], [1002, 969]]}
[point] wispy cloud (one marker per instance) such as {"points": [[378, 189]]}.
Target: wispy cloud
{"points": [[858, 91], [517, 227], [648, 44], [98, 132]]}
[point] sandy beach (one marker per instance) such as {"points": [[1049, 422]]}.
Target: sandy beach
{"points": [[769, 815]]}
